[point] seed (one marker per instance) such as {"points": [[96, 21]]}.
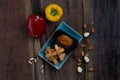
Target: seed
{"points": [[29, 62], [86, 34], [79, 64], [85, 26], [31, 59], [82, 53], [90, 48], [35, 60], [82, 45], [93, 30], [42, 66], [42, 70], [86, 58], [91, 23], [90, 69], [79, 69], [78, 60]]}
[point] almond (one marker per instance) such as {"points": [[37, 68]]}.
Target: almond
{"points": [[79, 60], [79, 64], [90, 69], [91, 23], [82, 45], [87, 41], [93, 30], [83, 53], [90, 48], [85, 26]]}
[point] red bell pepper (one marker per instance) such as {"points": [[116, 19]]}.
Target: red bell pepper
{"points": [[36, 25]]}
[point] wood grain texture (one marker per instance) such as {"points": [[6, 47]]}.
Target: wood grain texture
{"points": [[72, 9], [16, 46], [107, 39]]}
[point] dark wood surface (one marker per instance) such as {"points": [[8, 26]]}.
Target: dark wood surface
{"points": [[16, 46]]}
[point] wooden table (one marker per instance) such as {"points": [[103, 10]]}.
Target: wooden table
{"points": [[16, 46]]}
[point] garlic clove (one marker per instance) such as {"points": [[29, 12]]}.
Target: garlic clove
{"points": [[86, 58], [86, 34], [79, 69]]}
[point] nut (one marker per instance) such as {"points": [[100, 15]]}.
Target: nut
{"points": [[82, 45], [91, 23], [82, 53], [90, 48], [85, 26], [79, 60], [79, 64], [87, 41], [93, 30], [87, 54], [79, 69], [90, 69]]}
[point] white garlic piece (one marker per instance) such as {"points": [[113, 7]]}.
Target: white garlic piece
{"points": [[79, 69], [86, 34], [86, 58]]}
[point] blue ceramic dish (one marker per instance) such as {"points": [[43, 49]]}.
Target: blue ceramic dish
{"points": [[67, 30]]}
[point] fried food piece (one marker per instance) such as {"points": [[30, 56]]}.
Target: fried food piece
{"points": [[55, 54], [61, 56], [65, 40], [60, 51], [49, 52]]}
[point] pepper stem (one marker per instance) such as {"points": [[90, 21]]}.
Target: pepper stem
{"points": [[37, 17], [54, 12]]}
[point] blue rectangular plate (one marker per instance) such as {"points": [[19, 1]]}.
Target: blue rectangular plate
{"points": [[68, 30]]}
